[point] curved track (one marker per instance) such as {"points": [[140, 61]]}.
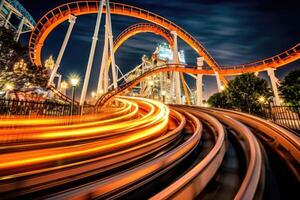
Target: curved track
{"points": [[59, 14], [160, 26], [142, 28], [176, 152]]}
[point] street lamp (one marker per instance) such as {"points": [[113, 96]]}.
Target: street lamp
{"points": [[8, 87], [74, 81]]}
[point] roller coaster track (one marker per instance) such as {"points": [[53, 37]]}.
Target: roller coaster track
{"points": [[58, 15], [163, 68], [142, 28], [61, 13], [140, 144], [61, 96], [275, 61]]}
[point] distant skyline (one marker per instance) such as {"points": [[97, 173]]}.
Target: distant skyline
{"points": [[233, 31]]}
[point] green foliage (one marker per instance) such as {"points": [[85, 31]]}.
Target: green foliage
{"points": [[290, 88], [243, 93], [24, 79], [219, 100]]}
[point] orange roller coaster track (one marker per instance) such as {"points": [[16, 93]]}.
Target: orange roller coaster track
{"points": [[276, 61], [142, 28], [61, 13], [164, 68]]}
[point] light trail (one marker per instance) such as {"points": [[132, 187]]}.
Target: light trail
{"points": [[127, 146], [148, 126]]}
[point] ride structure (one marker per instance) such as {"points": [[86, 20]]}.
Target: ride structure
{"points": [[206, 65]]}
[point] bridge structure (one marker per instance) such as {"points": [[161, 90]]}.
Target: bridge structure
{"points": [[126, 145]]}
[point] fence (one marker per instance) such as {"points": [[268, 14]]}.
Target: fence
{"points": [[20, 107], [288, 116]]}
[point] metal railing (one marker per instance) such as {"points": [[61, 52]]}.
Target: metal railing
{"points": [[33, 108], [287, 116]]}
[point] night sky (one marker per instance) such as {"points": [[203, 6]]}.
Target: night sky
{"points": [[233, 31]]}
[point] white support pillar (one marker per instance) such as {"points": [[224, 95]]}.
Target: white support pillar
{"points": [[8, 18], [274, 82], [219, 84], [20, 29], [103, 76], [59, 82], [177, 84], [72, 20], [199, 82], [1, 4], [91, 56], [111, 45]]}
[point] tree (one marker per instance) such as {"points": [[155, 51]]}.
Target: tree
{"points": [[16, 68], [245, 90], [290, 88], [219, 100], [243, 93]]}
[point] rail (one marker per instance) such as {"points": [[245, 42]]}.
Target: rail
{"points": [[34, 108]]}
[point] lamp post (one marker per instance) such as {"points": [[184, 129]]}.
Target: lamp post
{"points": [[74, 81]]}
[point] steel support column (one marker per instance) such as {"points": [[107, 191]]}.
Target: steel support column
{"points": [[20, 29], [91, 56], [219, 84], [59, 76], [274, 83], [199, 82], [72, 20], [8, 18], [177, 84], [103, 76], [1, 4], [111, 46]]}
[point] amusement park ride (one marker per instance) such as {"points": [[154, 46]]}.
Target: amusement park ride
{"points": [[156, 24], [128, 144]]}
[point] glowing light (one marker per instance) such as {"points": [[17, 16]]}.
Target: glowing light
{"points": [[261, 99], [20, 66], [64, 85], [163, 93], [151, 83], [49, 63], [93, 94], [74, 80], [281, 101], [222, 87], [9, 86], [151, 121]]}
